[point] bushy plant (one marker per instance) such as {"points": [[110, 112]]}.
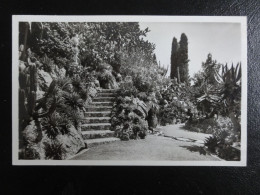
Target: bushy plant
{"points": [[54, 150], [176, 100], [47, 63], [55, 124], [29, 153], [73, 100], [212, 143], [127, 89], [230, 91], [128, 118], [219, 145]]}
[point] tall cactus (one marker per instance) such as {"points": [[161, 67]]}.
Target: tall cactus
{"points": [[27, 95], [32, 92]]}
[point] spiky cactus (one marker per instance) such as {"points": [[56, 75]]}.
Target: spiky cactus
{"points": [[31, 100]]}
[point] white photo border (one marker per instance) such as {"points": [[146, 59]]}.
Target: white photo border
{"points": [[181, 19]]}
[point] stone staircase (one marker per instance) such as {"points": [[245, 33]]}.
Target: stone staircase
{"points": [[96, 124]]}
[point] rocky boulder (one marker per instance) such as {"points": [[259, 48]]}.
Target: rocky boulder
{"points": [[71, 142], [40, 146], [31, 133], [58, 73], [44, 79], [63, 146]]}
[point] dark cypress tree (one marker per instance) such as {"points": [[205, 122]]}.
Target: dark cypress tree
{"points": [[183, 59], [174, 59]]}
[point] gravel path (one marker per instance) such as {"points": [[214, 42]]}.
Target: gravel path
{"points": [[178, 131], [152, 148]]}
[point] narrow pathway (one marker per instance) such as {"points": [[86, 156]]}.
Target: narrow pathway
{"points": [[152, 148], [178, 132]]}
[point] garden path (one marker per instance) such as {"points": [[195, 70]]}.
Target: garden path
{"points": [[178, 132], [179, 147]]}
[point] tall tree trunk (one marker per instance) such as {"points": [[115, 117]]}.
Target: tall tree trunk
{"points": [[178, 73]]}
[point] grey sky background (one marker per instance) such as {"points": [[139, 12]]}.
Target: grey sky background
{"points": [[222, 40]]}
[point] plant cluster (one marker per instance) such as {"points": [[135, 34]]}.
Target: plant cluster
{"points": [[128, 118], [61, 105], [175, 102], [221, 144], [218, 94]]}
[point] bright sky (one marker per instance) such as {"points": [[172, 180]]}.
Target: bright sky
{"points": [[222, 40]]}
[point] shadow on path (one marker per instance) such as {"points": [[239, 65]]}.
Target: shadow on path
{"points": [[195, 148]]}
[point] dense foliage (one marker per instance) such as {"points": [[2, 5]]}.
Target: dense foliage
{"points": [[128, 118], [71, 60], [218, 99], [62, 65]]}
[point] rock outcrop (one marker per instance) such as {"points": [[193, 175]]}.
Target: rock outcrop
{"points": [[40, 146]]}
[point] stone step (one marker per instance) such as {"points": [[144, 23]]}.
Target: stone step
{"points": [[97, 134], [96, 120], [100, 108], [103, 99], [102, 103], [108, 90], [97, 114], [101, 94], [95, 126], [95, 142]]}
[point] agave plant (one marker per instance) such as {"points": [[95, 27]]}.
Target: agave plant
{"points": [[209, 98], [54, 124], [231, 83], [212, 143], [54, 150], [78, 85], [73, 100], [48, 64], [75, 117], [63, 82], [230, 80]]}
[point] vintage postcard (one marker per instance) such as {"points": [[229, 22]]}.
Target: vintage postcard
{"points": [[129, 90]]}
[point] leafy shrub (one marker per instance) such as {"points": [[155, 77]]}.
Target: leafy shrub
{"points": [[176, 99], [208, 126], [218, 145], [55, 124], [48, 64], [30, 154], [128, 118], [63, 83], [73, 100], [74, 117], [222, 140], [222, 125], [212, 143], [229, 153], [54, 150], [127, 89]]}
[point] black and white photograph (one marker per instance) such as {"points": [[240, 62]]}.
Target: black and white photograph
{"points": [[129, 90]]}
